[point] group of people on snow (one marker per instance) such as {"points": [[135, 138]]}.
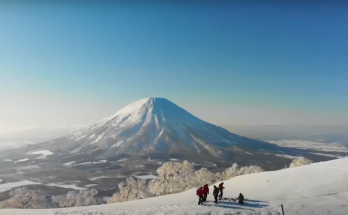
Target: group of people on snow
{"points": [[203, 192]]}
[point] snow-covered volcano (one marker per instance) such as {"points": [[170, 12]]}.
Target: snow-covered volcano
{"points": [[156, 125]]}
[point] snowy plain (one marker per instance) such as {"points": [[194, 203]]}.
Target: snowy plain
{"points": [[308, 144], [68, 186], [316, 189], [41, 152], [9, 186]]}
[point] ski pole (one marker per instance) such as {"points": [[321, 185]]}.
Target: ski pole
{"points": [[282, 209]]}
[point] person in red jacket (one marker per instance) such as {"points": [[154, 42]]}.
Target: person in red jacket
{"points": [[205, 192], [200, 195], [221, 187]]}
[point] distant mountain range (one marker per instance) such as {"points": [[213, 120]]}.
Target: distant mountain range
{"points": [[33, 135], [326, 133]]}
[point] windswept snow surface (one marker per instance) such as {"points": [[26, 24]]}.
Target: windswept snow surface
{"points": [[316, 189]]}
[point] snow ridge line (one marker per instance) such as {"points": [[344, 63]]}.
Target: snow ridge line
{"points": [[329, 167]]}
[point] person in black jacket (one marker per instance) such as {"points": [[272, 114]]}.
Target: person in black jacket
{"points": [[221, 188], [215, 194], [240, 199]]}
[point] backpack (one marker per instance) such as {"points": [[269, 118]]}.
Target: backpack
{"points": [[216, 191]]}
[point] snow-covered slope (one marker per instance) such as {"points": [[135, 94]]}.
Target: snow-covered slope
{"points": [[316, 189], [155, 125]]}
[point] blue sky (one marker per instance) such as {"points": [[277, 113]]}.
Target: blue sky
{"points": [[69, 63]]}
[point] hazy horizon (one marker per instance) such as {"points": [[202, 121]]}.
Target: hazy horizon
{"points": [[231, 126], [67, 64]]}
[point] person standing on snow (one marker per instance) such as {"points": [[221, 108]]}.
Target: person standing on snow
{"points": [[215, 194], [221, 187], [200, 195], [205, 192]]}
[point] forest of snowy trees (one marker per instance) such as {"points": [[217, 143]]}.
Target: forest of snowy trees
{"points": [[173, 177], [34, 199]]}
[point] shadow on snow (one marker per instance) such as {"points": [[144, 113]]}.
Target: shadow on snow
{"points": [[248, 204]]}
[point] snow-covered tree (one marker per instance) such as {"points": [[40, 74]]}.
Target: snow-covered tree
{"points": [[249, 170], [234, 171], [121, 185], [25, 199], [131, 190], [204, 176], [228, 173], [174, 177], [301, 161], [77, 198]]}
